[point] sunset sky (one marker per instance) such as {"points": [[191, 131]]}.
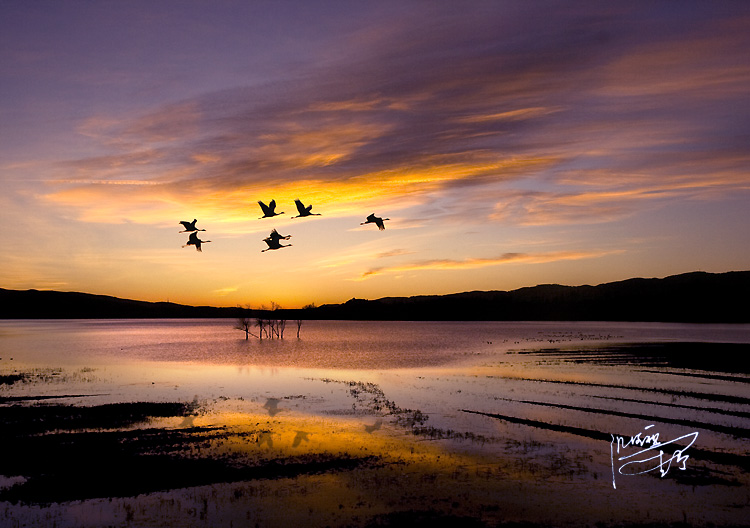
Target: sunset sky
{"points": [[510, 143]]}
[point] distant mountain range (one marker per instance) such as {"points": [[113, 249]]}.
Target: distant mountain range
{"points": [[690, 297], [36, 304]]}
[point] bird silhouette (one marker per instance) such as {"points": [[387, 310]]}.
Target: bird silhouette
{"points": [[195, 241], [272, 406], [187, 422], [374, 427], [265, 437], [301, 435], [372, 219], [303, 211], [189, 226], [276, 236], [273, 243], [269, 210]]}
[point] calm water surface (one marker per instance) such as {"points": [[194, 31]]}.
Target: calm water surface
{"points": [[136, 359], [184, 358], [326, 344], [355, 376]]}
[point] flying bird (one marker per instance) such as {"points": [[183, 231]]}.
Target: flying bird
{"points": [[272, 406], [265, 437], [189, 226], [374, 427], [303, 211], [195, 241], [187, 422], [372, 219], [301, 435], [269, 210], [273, 243], [276, 236]]}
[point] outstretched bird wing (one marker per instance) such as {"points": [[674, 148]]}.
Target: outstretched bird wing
{"points": [[372, 218], [193, 239], [264, 207], [272, 206], [185, 224], [300, 207], [272, 242]]}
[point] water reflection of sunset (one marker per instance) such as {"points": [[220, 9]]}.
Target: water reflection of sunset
{"points": [[491, 422]]}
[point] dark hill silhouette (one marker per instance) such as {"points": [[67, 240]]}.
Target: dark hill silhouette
{"points": [[34, 304], [690, 297]]}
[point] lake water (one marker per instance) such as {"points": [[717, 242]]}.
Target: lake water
{"points": [[523, 399], [326, 344]]}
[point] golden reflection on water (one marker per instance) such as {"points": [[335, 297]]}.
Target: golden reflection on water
{"points": [[405, 470], [255, 434]]}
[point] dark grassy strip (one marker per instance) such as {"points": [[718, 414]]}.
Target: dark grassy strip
{"points": [[715, 357], [712, 456], [18, 399], [697, 395], [19, 420], [76, 466], [719, 377], [10, 379], [739, 432], [739, 414]]}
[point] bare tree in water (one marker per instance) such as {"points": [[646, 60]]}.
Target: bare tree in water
{"points": [[245, 322], [261, 321], [278, 324], [269, 325], [299, 317], [270, 321]]}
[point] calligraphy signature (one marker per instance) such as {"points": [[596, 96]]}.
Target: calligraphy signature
{"points": [[648, 455]]}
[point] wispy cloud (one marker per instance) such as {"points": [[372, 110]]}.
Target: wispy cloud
{"points": [[393, 253], [226, 291], [106, 182], [608, 201], [474, 263]]}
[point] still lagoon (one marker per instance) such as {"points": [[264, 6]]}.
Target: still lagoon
{"points": [[187, 423]]}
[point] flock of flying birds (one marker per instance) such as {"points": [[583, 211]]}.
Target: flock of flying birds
{"points": [[274, 239]]}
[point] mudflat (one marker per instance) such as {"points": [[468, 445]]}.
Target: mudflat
{"points": [[533, 437]]}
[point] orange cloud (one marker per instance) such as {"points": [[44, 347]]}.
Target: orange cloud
{"points": [[474, 263], [401, 187], [511, 115], [351, 105]]}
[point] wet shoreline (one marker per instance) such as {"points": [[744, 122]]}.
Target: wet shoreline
{"points": [[355, 452]]}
